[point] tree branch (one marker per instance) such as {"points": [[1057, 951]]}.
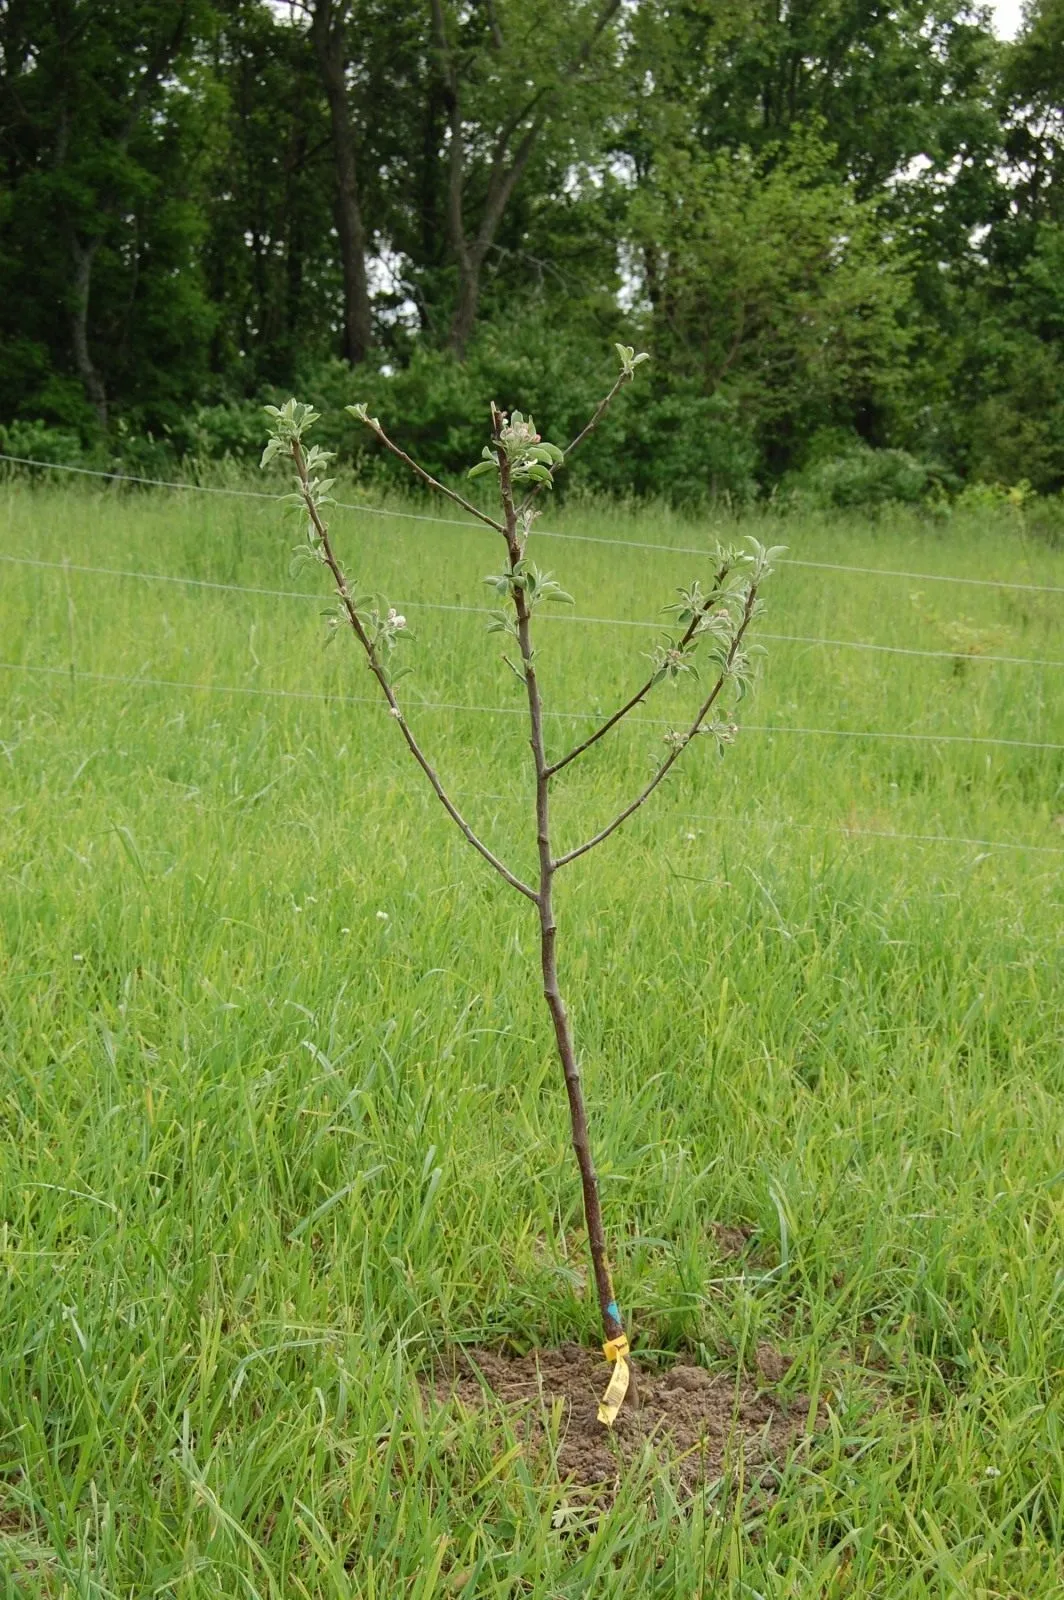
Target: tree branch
{"points": [[641, 694], [502, 177], [673, 756], [512, 123], [625, 376], [153, 72], [498, 198], [322, 531], [599, 412], [426, 477], [501, 184], [493, 23], [605, 17]]}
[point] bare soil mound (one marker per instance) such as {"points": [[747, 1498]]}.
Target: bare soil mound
{"points": [[698, 1420]]}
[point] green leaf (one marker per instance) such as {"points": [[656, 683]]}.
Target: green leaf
{"points": [[361, 413]]}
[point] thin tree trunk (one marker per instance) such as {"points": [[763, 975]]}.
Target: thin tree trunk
{"points": [[612, 1325], [84, 256], [358, 321], [329, 32], [465, 312], [506, 169], [596, 1234], [294, 242]]}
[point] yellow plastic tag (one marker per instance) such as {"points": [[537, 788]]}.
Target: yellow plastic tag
{"points": [[614, 1350]]}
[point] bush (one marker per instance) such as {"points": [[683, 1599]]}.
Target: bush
{"points": [[864, 479], [231, 431], [675, 444], [39, 441]]}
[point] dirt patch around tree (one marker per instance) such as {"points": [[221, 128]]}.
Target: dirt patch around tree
{"points": [[700, 1422]]}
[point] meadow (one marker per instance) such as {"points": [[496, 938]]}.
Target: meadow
{"points": [[281, 1122]]}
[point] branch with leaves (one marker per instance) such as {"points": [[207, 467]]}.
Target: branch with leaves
{"points": [[377, 631], [713, 624]]}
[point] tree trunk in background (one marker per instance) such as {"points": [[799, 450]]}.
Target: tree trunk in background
{"points": [[465, 312], [329, 25], [513, 142], [84, 255], [295, 244]]}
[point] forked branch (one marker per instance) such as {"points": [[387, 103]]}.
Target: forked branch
{"points": [[680, 742], [641, 694]]}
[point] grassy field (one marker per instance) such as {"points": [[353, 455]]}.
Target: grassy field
{"points": [[280, 1115]]}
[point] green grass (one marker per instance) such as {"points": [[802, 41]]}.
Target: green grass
{"points": [[281, 1119]]}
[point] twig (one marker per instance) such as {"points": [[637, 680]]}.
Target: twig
{"points": [[599, 412], [623, 377], [604, 833], [322, 531], [641, 694], [426, 477]]}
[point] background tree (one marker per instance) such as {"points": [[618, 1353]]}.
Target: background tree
{"points": [[331, 26], [835, 223], [269, 264], [776, 286], [511, 73], [91, 130]]}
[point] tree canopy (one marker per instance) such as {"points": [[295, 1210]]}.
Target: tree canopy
{"points": [[836, 226]]}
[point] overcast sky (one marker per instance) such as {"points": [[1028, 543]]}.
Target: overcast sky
{"points": [[1007, 16]]}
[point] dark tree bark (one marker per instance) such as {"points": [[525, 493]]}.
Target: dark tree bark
{"points": [[295, 243], [85, 242], [515, 142], [330, 21], [84, 254]]}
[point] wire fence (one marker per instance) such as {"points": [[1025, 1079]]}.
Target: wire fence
{"points": [[953, 656], [540, 533], [426, 707], [432, 707], [846, 830]]}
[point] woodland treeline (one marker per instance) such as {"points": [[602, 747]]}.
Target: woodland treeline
{"points": [[837, 225]]}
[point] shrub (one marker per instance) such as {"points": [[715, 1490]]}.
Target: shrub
{"points": [[864, 479], [40, 441]]}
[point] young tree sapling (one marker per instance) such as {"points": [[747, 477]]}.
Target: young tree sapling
{"points": [[712, 623]]}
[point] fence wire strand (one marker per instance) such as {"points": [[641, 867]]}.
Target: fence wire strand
{"points": [[561, 616], [845, 829], [540, 533], [431, 707]]}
